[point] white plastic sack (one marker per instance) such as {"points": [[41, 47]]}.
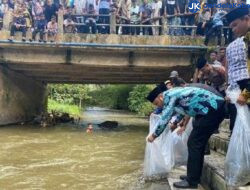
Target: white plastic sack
{"points": [[237, 164], [180, 144], [159, 155]]}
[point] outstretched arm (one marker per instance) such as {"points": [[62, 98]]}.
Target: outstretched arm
{"points": [[165, 117]]}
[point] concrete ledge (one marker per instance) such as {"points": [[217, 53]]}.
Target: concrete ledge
{"points": [[213, 173], [117, 39], [219, 142]]}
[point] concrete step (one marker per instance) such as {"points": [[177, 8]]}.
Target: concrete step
{"points": [[225, 126], [213, 173], [219, 142]]}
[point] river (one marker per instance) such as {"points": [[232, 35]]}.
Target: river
{"points": [[66, 157]]}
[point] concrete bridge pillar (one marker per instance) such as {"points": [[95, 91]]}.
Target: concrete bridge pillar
{"points": [[7, 19], [21, 98], [60, 26]]}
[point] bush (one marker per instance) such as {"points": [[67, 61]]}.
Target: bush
{"points": [[111, 96], [137, 100], [63, 108], [69, 94]]}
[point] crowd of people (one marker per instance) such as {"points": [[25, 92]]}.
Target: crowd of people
{"points": [[220, 89], [205, 100], [133, 17]]}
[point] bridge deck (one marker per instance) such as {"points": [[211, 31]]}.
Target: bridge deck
{"points": [[97, 63]]}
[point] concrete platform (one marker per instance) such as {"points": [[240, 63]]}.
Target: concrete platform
{"points": [[219, 142], [213, 173]]}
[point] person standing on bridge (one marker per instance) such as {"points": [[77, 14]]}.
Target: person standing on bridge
{"points": [[206, 106]]}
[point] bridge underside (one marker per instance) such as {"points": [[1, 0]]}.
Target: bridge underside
{"points": [[98, 63], [26, 68]]}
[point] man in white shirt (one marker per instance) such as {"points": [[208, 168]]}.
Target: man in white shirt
{"points": [[156, 6], [80, 6], [135, 18]]}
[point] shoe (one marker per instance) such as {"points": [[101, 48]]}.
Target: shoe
{"points": [[216, 131], [207, 152], [10, 40], [45, 41], [30, 40], [23, 40], [40, 41], [183, 177], [184, 185]]}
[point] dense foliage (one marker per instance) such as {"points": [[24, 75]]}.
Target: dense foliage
{"points": [[137, 100], [69, 94], [64, 108], [126, 97], [111, 96]]}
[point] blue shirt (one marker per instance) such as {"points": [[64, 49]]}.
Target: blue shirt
{"points": [[191, 101], [104, 4], [217, 20]]}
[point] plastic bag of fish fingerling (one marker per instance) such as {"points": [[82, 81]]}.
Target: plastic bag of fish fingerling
{"points": [[180, 144], [237, 164], [159, 155]]}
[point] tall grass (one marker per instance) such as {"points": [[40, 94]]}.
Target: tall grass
{"points": [[64, 108]]}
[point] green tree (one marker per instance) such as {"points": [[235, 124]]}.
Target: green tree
{"points": [[69, 94], [137, 100]]}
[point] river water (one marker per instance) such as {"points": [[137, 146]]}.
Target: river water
{"points": [[66, 157]]}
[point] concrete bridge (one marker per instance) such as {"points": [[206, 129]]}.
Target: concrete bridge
{"points": [[26, 68]]}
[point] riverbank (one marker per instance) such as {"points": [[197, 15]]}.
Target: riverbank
{"points": [[72, 110]]}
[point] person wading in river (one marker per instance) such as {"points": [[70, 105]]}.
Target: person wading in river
{"points": [[202, 103]]}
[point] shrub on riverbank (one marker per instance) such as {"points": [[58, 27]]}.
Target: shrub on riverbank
{"points": [[137, 100], [64, 108], [69, 94], [65, 98], [110, 96]]}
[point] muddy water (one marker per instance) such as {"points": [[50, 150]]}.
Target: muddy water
{"points": [[66, 157]]}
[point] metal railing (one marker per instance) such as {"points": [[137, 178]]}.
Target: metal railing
{"points": [[113, 23], [113, 26]]}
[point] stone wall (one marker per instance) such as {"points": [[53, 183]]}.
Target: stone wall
{"points": [[21, 98]]}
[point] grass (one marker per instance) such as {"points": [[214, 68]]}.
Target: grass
{"points": [[64, 108]]}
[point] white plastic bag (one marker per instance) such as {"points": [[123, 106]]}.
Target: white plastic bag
{"points": [[159, 155], [237, 164], [180, 144]]}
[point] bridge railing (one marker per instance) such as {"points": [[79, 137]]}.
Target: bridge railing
{"points": [[112, 25], [115, 27]]}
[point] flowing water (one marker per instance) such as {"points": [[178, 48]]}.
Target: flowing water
{"points": [[66, 157]]}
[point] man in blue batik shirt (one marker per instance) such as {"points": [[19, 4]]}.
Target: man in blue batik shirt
{"points": [[202, 103]]}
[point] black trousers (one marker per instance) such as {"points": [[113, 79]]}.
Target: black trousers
{"points": [[214, 30], [103, 20], [13, 29], [147, 29], [203, 128], [134, 30]]}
